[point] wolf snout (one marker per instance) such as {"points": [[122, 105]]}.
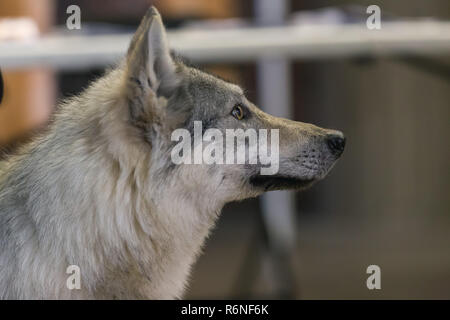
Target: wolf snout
{"points": [[336, 143]]}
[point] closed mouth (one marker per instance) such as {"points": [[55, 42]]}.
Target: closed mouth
{"points": [[279, 182]]}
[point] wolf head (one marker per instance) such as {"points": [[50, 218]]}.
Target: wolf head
{"points": [[164, 95]]}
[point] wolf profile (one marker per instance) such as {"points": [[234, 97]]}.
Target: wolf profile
{"points": [[98, 189]]}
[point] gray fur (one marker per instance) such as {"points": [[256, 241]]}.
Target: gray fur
{"points": [[98, 189]]}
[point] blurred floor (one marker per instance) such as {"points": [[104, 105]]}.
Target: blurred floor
{"points": [[331, 259]]}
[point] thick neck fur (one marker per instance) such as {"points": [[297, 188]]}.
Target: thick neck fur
{"points": [[132, 227]]}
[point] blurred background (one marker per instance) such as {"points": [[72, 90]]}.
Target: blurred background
{"points": [[385, 203]]}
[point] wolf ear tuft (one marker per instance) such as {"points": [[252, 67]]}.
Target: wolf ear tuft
{"points": [[149, 63]]}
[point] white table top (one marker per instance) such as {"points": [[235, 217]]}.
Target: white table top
{"points": [[237, 45]]}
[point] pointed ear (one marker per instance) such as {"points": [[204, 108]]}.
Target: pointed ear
{"points": [[149, 63]]}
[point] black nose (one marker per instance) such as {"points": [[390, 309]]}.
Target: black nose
{"points": [[336, 143]]}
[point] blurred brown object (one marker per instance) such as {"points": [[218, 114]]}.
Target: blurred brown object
{"points": [[216, 9], [232, 74], [27, 103], [29, 95]]}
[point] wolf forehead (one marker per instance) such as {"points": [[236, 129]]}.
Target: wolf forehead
{"points": [[203, 96], [210, 89]]}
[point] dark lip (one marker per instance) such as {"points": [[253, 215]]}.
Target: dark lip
{"points": [[279, 182]]}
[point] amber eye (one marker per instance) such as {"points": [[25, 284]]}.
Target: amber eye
{"points": [[238, 112]]}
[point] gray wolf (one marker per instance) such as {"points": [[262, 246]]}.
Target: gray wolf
{"points": [[98, 189]]}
